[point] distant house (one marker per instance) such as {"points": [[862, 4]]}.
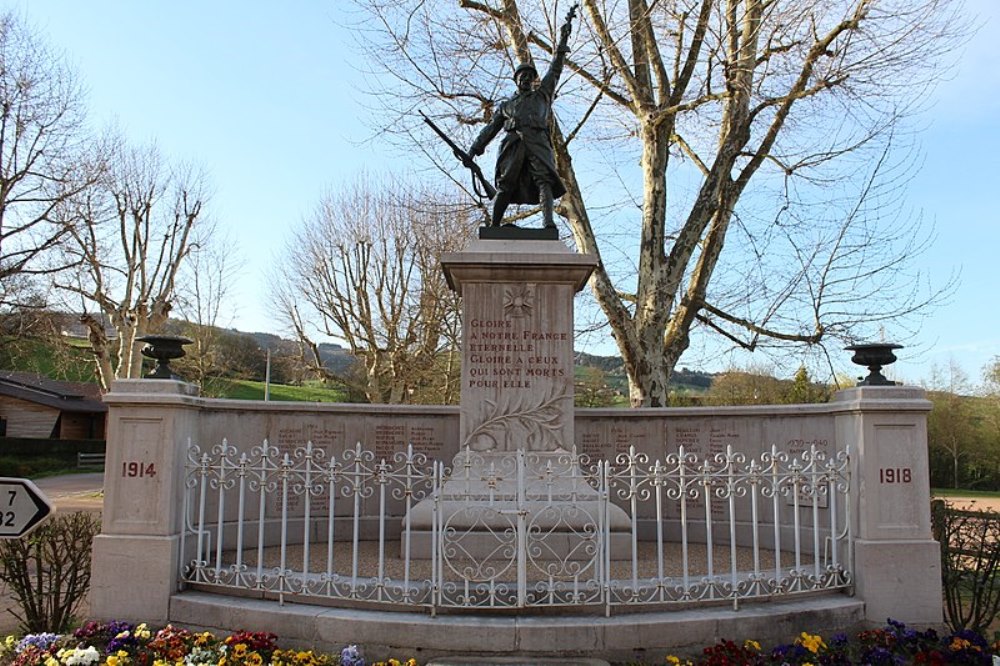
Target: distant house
{"points": [[71, 326], [34, 406]]}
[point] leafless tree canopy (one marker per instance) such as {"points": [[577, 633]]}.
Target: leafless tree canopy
{"points": [[736, 163], [202, 300], [41, 157], [132, 233], [363, 269]]}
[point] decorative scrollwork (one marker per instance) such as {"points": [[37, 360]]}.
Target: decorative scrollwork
{"points": [[543, 514]]}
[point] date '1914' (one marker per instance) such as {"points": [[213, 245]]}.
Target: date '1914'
{"points": [[138, 469]]}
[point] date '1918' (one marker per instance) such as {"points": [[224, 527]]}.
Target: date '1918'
{"points": [[138, 469], [895, 475]]}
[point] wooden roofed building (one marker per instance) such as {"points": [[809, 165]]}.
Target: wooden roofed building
{"points": [[33, 406]]}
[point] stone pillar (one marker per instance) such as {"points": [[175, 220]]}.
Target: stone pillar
{"points": [[897, 564], [136, 556], [517, 342], [517, 396]]}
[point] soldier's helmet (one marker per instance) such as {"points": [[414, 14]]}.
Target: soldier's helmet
{"points": [[525, 67]]}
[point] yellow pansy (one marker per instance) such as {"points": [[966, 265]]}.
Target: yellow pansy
{"points": [[811, 642]]}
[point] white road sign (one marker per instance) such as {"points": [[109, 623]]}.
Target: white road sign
{"points": [[22, 507]]}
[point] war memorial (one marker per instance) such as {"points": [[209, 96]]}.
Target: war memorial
{"points": [[515, 523]]}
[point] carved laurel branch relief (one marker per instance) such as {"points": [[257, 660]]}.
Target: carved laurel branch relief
{"points": [[515, 416]]}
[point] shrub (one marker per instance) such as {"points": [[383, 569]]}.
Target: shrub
{"points": [[35, 467], [970, 565], [48, 571]]}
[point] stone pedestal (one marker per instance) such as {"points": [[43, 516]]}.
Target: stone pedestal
{"points": [[516, 397], [517, 347], [135, 558], [896, 560]]}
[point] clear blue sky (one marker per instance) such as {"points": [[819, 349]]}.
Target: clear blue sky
{"points": [[266, 97]]}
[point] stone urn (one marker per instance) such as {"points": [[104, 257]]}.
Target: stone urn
{"points": [[163, 349], [874, 356]]}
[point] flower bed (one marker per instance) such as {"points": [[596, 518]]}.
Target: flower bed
{"points": [[123, 644], [891, 645]]}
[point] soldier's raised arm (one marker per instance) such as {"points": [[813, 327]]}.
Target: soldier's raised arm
{"points": [[555, 69], [566, 29]]}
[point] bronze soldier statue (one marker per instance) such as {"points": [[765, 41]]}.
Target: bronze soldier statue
{"points": [[526, 166]]}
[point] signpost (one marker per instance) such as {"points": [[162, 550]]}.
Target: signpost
{"points": [[22, 507]]}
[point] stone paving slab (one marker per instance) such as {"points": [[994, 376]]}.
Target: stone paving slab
{"points": [[570, 639], [515, 661]]}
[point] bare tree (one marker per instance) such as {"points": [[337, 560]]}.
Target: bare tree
{"points": [[206, 279], [364, 271], [752, 386], [133, 234], [991, 378], [42, 163], [991, 408], [591, 388], [951, 427], [735, 161]]}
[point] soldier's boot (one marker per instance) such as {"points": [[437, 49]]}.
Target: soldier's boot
{"points": [[499, 208], [546, 200]]}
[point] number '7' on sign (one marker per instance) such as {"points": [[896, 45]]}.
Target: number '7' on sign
{"points": [[22, 507]]}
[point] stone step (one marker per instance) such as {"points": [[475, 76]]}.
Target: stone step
{"points": [[516, 661]]}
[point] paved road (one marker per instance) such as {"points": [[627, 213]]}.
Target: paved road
{"points": [[74, 492]]}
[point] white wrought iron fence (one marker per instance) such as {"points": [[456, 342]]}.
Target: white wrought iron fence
{"points": [[515, 529]]}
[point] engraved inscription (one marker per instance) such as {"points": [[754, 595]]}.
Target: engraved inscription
{"points": [[328, 438], [389, 438], [502, 356], [591, 444], [426, 439]]}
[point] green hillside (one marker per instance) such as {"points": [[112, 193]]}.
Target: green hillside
{"points": [[71, 360], [245, 389], [601, 380]]}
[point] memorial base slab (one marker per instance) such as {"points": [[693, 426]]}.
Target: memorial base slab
{"points": [[495, 500]]}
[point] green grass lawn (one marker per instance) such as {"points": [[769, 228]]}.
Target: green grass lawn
{"points": [[242, 389]]}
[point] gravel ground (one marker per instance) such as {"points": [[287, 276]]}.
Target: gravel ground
{"points": [[368, 561], [975, 503]]}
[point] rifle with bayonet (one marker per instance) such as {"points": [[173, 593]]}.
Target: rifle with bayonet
{"points": [[481, 186]]}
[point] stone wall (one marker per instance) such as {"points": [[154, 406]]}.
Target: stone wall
{"points": [[152, 423]]}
